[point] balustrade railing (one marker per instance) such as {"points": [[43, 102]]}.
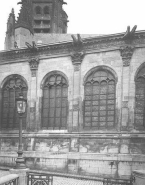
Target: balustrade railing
{"points": [[49, 178], [11, 179]]}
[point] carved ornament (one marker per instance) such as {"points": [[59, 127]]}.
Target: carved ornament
{"points": [[33, 47], [88, 44], [77, 57], [77, 42], [126, 54], [34, 66], [129, 35]]}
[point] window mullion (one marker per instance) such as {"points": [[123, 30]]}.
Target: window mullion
{"points": [[107, 94], [61, 106], [91, 103], [8, 125], [48, 89], [48, 107], [114, 102], [14, 109], [99, 105], [55, 86]]}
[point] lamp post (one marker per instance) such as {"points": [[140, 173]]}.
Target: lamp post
{"points": [[21, 108]]}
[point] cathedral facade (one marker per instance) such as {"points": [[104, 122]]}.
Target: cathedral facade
{"points": [[85, 95]]}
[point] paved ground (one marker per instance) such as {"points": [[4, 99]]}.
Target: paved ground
{"points": [[69, 181], [63, 181]]}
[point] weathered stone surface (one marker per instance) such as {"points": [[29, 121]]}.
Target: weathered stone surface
{"points": [[96, 151]]}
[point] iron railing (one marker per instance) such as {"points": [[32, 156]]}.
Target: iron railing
{"points": [[34, 179], [48, 178], [11, 179]]}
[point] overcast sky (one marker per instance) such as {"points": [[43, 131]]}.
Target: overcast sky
{"points": [[90, 16]]}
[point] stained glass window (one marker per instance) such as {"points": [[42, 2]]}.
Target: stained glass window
{"points": [[54, 103], [10, 91], [140, 99], [99, 103]]}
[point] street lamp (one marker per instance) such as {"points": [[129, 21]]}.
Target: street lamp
{"points": [[21, 103]]}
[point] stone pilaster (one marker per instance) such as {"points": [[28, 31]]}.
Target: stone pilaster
{"points": [[126, 54], [77, 58], [33, 104]]}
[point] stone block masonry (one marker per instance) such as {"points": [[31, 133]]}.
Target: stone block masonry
{"points": [[104, 132]]}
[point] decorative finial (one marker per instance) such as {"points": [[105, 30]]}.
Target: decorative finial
{"points": [[12, 11]]}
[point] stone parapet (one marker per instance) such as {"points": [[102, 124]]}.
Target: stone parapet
{"points": [[22, 174], [8, 178]]}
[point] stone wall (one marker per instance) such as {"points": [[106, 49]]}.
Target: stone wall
{"points": [[114, 152], [110, 155]]}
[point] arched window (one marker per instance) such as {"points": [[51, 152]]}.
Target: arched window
{"points": [[140, 99], [99, 103], [54, 103], [38, 10], [46, 10], [10, 91]]}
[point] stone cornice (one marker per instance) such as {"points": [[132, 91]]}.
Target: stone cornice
{"points": [[91, 135], [96, 43]]}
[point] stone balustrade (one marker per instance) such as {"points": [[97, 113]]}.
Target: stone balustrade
{"points": [[9, 179]]}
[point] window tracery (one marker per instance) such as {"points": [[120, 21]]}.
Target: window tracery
{"points": [[10, 91], [54, 104], [140, 99], [99, 103]]}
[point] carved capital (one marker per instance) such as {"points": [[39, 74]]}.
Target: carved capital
{"points": [[34, 66], [77, 57], [126, 54]]}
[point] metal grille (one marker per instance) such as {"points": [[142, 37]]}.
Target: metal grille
{"points": [[99, 103], [11, 182], [68, 179], [117, 182], [140, 99], [54, 105], [33, 179], [10, 91]]}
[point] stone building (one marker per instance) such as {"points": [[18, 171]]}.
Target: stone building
{"points": [[85, 94]]}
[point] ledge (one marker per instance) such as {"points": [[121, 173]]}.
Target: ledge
{"points": [[8, 178], [79, 135]]}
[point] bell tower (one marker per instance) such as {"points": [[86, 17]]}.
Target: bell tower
{"points": [[49, 16], [36, 19]]}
